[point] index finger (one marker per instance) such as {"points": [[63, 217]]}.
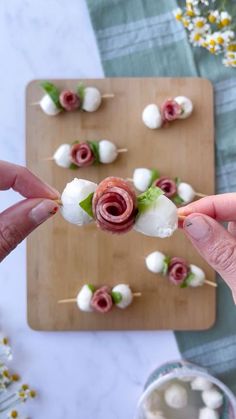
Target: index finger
{"points": [[221, 207], [25, 182]]}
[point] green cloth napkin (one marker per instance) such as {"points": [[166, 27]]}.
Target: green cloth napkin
{"points": [[142, 38]]}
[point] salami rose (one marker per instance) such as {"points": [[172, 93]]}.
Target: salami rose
{"points": [[114, 205], [168, 186], [82, 155], [101, 300], [178, 270], [170, 110], [69, 100]]}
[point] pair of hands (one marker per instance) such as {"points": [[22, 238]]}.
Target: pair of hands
{"points": [[201, 225]]}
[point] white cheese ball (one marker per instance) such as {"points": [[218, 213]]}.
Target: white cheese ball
{"points": [[107, 151], [199, 276], [151, 116], [212, 398], [186, 192], [126, 293], [48, 106], [153, 401], [84, 298], [201, 384], [62, 156], [206, 413], [154, 414], [142, 178], [159, 220], [176, 396], [92, 99], [75, 192], [155, 262], [186, 105]]}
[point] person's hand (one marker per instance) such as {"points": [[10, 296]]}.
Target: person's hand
{"points": [[22, 218], [211, 239]]}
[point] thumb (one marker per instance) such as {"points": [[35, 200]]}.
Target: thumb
{"points": [[215, 244], [21, 219]]}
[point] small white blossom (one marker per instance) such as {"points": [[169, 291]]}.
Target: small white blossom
{"points": [[195, 38], [200, 24], [178, 13], [225, 18], [230, 59]]}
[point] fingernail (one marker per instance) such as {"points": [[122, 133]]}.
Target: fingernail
{"points": [[43, 211], [197, 227]]}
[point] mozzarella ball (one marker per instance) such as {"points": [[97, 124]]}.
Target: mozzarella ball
{"points": [[212, 398], [142, 179], [206, 413], [201, 383], [126, 293], [186, 105], [153, 401], [186, 192], [152, 117], [75, 192], [176, 396], [154, 414], [159, 220], [186, 379], [62, 156], [198, 278], [107, 151], [48, 106], [92, 99], [84, 298], [155, 262]]}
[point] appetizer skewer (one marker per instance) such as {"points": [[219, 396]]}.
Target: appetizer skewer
{"points": [[177, 270], [85, 98], [179, 107], [114, 207], [179, 192], [102, 299], [86, 153]]}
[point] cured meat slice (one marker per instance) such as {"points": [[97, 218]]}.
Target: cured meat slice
{"points": [[82, 155]]}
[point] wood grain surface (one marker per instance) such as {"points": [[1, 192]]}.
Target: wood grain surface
{"points": [[61, 257]]}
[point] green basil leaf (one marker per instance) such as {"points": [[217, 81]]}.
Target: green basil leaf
{"points": [[166, 265], [177, 180], [177, 200], [81, 91], [184, 285], [146, 199], [116, 297], [73, 166], [86, 204], [187, 280], [75, 142], [91, 287], [94, 145], [154, 175], [53, 92]]}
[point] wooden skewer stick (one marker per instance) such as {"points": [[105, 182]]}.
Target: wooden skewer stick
{"points": [[34, 103], [137, 294], [129, 179], [67, 300], [58, 201], [201, 195], [48, 158], [122, 150], [108, 95], [212, 284]]}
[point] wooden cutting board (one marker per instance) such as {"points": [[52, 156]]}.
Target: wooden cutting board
{"points": [[61, 257]]}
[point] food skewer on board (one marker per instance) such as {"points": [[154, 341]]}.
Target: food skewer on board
{"points": [[179, 192], [86, 98], [115, 208], [177, 270], [102, 299], [86, 153]]}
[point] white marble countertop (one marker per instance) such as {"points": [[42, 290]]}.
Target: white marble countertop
{"points": [[77, 375]]}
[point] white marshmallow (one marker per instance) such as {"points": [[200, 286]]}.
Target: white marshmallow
{"points": [[151, 116], [126, 293], [48, 106], [142, 178], [75, 192], [84, 298], [206, 413], [176, 396], [199, 276], [155, 262], [92, 99], [201, 383], [159, 220], [186, 192], [107, 151], [212, 398], [186, 105], [62, 156]]}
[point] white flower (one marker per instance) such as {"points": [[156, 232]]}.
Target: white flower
{"points": [[214, 16], [195, 38], [230, 59], [178, 13], [225, 18], [200, 24]]}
